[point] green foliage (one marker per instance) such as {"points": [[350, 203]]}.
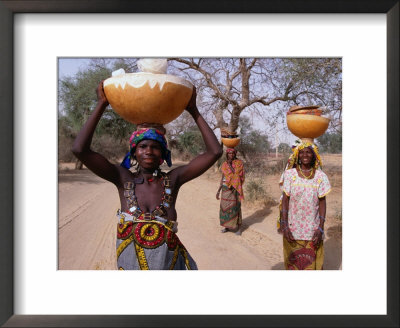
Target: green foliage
{"points": [[330, 143], [284, 148], [113, 125], [256, 142], [111, 148], [191, 142], [77, 99], [78, 95], [65, 139], [252, 141], [254, 146]]}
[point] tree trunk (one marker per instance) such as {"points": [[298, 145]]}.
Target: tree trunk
{"points": [[234, 123], [219, 113]]}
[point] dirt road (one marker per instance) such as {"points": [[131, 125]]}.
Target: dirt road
{"points": [[87, 227]]}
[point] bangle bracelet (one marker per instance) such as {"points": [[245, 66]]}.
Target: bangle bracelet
{"points": [[320, 229], [322, 217]]}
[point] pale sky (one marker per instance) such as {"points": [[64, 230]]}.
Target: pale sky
{"points": [[70, 66]]}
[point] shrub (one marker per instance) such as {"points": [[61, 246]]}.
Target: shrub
{"points": [[330, 142], [255, 191], [191, 142], [112, 149]]}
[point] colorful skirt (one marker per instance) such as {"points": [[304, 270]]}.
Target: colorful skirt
{"points": [[150, 245], [230, 213], [303, 255]]}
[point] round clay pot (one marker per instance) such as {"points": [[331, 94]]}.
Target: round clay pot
{"points": [[230, 142], [307, 126], [148, 98]]}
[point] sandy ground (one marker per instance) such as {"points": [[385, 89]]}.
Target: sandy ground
{"points": [[87, 225]]}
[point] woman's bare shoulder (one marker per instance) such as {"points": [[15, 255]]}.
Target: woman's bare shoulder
{"points": [[124, 175]]}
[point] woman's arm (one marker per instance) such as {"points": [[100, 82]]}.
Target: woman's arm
{"points": [[204, 161], [81, 147], [285, 218], [318, 234], [220, 186]]}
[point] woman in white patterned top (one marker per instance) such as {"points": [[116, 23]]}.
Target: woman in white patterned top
{"points": [[304, 209]]}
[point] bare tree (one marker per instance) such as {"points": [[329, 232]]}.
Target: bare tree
{"points": [[228, 89], [229, 86]]}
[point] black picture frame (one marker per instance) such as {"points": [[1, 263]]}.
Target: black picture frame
{"points": [[7, 197]]}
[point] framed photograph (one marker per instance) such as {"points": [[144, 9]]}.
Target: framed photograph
{"points": [[35, 34]]}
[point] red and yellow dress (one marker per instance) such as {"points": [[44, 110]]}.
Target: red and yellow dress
{"points": [[148, 241], [230, 214]]}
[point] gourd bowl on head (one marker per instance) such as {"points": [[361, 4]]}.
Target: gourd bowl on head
{"points": [[228, 138], [230, 142], [148, 98], [307, 126]]}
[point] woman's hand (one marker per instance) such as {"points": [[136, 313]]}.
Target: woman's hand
{"points": [[191, 106], [288, 234], [101, 97], [317, 237], [284, 227]]}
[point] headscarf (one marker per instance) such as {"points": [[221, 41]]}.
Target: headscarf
{"points": [[231, 150], [293, 159], [147, 134]]}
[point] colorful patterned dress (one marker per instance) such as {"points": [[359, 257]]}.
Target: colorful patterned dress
{"points": [[148, 241], [303, 219], [230, 214]]}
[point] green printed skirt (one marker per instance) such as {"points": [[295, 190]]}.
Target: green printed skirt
{"points": [[230, 213]]}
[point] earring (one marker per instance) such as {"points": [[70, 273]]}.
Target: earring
{"points": [[155, 173]]}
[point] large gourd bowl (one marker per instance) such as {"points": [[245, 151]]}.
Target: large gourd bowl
{"points": [[230, 142], [307, 126], [148, 98]]}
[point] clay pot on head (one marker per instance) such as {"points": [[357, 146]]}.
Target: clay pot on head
{"points": [[147, 97], [230, 142], [307, 126]]}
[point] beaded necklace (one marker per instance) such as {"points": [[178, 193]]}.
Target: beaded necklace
{"points": [[306, 177], [160, 210]]}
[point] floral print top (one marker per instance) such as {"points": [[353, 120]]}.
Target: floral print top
{"points": [[304, 201]]}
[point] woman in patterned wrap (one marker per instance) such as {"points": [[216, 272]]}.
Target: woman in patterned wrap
{"points": [[230, 214], [303, 211], [146, 231]]}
